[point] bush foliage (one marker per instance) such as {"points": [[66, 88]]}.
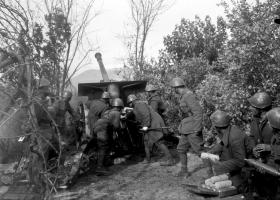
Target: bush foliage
{"points": [[223, 63]]}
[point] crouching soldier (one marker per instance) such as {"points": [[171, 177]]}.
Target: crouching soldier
{"points": [[231, 149], [267, 185], [260, 131], [152, 126], [96, 108], [104, 128]]}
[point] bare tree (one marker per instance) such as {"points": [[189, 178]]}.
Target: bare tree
{"points": [[24, 28], [144, 13], [32, 46], [79, 20]]}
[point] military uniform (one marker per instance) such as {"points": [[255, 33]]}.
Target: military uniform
{"points": [[269, 185], [44, 144], [61, 108], [260, 133], [232, 151], [275, 152], [147, 117], [190, 126], [96, 108], [46, 129], [156, 103], [104, 128]]}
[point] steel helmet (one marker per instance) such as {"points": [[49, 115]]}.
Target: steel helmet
{"points": [[117, 102], [150, 88], [67, 94], [105, 95], [220, 119], [44, 82], [131, 98], [273, 117], [177, 82], [260, 100]]}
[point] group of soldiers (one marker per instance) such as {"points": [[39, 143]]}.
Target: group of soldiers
{"points": [[106, 117], [233, 145]]}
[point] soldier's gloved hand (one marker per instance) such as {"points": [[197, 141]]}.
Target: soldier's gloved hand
{"points": [[262, 147], [256, 153], [123, 116], [145, 128], [260, 170]]}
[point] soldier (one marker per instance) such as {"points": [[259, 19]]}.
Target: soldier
{"points": [[190, 127], [96, 108], [261, 132], [273, 117], [231, 148], [46, 141], [104, 128], [149, 119], [62, 107], [274, 121], [266, 185], [154, 99]]}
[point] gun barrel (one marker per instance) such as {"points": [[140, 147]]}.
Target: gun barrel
{"points": [[266, 168], [104, 73]]}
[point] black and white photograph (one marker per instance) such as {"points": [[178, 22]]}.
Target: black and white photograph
{"points": [[139, 99]]}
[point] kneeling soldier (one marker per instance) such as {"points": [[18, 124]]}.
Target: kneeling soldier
{"points": [[104, 128], [231, 149]]}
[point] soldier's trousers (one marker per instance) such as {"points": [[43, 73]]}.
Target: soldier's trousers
{"points": [[104, 139], [192, 141]]}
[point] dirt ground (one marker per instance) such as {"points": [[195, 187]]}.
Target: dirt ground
{"points": [[135, 180]]}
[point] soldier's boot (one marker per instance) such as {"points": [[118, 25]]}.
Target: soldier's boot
{"points": [[169, 160], [183, 172], [101, 170]]}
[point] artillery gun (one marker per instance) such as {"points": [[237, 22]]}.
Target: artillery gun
{"points": [[124, 142], [116, 89]]}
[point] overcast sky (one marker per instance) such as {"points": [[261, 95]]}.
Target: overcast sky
{"points": [[105, 30]]}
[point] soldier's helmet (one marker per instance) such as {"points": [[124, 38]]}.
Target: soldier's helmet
{"points": [[131, 98], [105, 95], [260, 100], [177, 82], [43, 82], [67, 94], [220, 119], [150, 88], [273, 117], [117, 102]]}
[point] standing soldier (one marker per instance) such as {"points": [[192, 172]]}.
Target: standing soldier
{"points": [[96, 108], [152, 125], [62, 107], [231, 148], [190, 127], [46, 140], [154, 99], [261, 132], [104, 128]]}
